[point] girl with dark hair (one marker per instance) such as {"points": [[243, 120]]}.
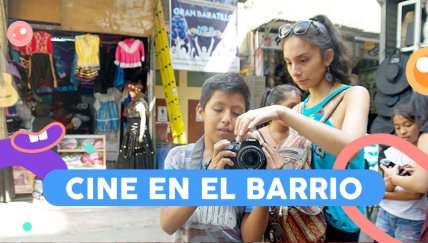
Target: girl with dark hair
{"points": [[318, 61], [276, 131], [402, 212], [418, 180], [136, 150]]}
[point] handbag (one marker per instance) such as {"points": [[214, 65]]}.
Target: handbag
{"points": [[294, 224], [299, 223]]}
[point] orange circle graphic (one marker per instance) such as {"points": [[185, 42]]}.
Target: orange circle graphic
{"points": [[417, 79]]}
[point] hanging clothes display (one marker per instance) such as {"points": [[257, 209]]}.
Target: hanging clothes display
{"points": [[130, 53], [107, 117], [119, 79], [134, 154], [41, 42], [64, 61], [105, 79], [88, 62], [87, 50], [41, 77]]}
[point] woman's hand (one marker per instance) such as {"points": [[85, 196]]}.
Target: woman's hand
{"points": [[220, 157], [273, 160], [252, 118], [407, 168], [387, 172]]}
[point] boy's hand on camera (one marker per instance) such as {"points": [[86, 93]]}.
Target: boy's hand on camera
{"points": [[220, 157], [273, 160]]}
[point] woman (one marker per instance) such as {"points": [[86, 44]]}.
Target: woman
{"points": [[136, 151], [317, 60], [402, 212], [418, 180]]}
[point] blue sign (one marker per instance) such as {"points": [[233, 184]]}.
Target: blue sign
{"points": [[213, 187]]}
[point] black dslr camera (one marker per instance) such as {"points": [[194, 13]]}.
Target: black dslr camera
{"points": [[389, 164], [249, 155]]}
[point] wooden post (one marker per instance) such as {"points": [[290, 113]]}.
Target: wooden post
{"points": [[7, 188]]}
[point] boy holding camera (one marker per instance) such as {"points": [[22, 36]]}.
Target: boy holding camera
{"points": [[224, 97]]}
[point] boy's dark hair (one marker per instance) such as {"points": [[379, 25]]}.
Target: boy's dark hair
{"points": [[42, 110], [405, 110], [229, 83]]}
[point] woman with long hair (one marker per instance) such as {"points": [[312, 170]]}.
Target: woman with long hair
{"points": [[318, 61]]}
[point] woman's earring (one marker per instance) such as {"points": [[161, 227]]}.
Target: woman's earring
{"points": [[328, 76]]}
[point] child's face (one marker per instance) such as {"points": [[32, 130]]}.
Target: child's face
{"points": [[219, 115], [406, 129], [292, 100]]}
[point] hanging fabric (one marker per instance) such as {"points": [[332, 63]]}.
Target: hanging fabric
{"points": [[41, 42], [88, 62], [130, 53]]}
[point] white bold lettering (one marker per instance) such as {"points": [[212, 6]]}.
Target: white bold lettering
{"points": [[255, 184], [69, 188], [315, 189], [126, 188], [206, 188], [358, 188], [174, 186], [298, 189], [276, 189], [223, 189], [155, 188]]}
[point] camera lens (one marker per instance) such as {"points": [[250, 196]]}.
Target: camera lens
{"points": [[251, 157]]}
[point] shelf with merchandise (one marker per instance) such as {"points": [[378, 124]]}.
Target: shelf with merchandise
{"points": [[73, 149]]}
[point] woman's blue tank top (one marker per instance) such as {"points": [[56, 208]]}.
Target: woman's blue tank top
{"points": [[324, 160]]}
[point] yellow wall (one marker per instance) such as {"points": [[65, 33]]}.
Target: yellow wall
{"points": [[185, 93]]}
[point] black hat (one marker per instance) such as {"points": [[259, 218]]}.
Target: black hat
{"points": [[382, 125], [391, 74], [385, 103]]}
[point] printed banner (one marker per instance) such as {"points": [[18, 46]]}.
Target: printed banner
{"points": [[203, 35]]}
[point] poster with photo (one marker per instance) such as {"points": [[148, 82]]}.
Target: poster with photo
{"points": [[203, 35]]}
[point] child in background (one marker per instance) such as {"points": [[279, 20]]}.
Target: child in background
{"points": [[402, 212]]}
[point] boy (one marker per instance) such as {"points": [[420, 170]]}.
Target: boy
{"points": [[224, 97]]}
